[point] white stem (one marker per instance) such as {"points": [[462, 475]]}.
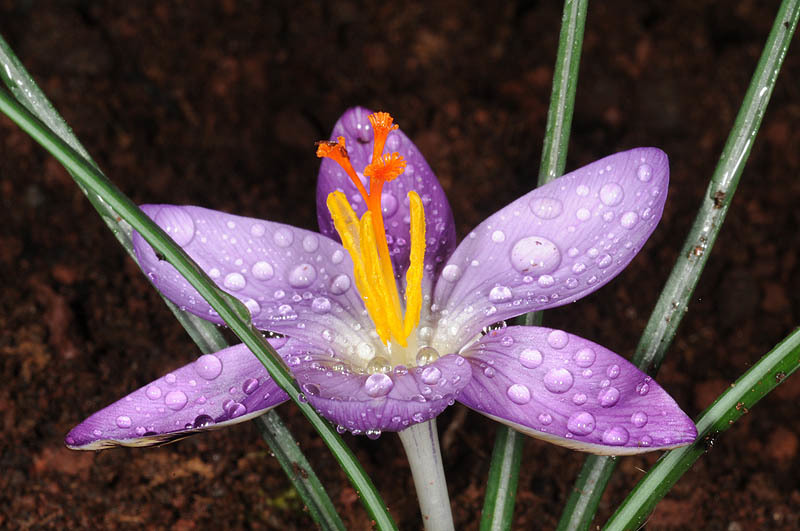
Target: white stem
{"points": [[421, 442]]}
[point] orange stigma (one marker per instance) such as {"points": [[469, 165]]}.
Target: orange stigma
{"points": [[365, 239]]}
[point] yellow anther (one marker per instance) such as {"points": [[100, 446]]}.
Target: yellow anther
{"points": [[417, 264]]}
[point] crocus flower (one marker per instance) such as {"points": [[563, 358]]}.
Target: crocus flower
{"points": [[389, 327]]}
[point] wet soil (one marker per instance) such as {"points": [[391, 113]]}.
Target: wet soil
{"points": [[219, 104]]}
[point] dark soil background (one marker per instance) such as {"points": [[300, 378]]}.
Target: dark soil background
{"points": [[219, 105]]}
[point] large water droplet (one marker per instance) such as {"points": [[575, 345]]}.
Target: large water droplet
{"points": [[519, 394], [262, 270], [175, 400], [378, 384], [546, 281], [644, 172], [498, 236], [534, 254], [311, 389], [310, 243], [611, 194], [426, 355], [639, 419], [629, 219], [642, 388], [558, 380], [201, 421], [616, 436], [378, 364], [608, 396], [249, 386], [546, 207], [612, 371], [235, 409], [451, 272], [530, 358], [177, 223], [545, 418], [431, 375], [557, 339], [579, 399], [283, 237], [500, 294], [124, 421], [302, 276], [581, 423], [321, 305], [388, 205], [208, 366], [153, 392], [340, 284], [585, 357], [583, 214], [234, 281]]}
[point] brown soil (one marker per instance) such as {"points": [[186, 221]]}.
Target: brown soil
{"points": [[220, 107]]}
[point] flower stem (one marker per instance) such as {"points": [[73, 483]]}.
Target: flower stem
{"points": [[421, 443]]}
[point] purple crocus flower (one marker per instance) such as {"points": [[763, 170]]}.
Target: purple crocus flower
{"points": [[388, 328]]}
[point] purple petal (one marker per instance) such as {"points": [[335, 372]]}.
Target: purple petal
{"points": [[391, 401], [295, 282], [214, 391], [571, 392], [357, 131], [553, 245]]}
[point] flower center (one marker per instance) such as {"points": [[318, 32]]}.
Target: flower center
{"points": [[365, 238]]}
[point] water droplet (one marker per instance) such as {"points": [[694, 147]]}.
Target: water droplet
{"points": [[603, 261], [124, 421], [546, 281], [535, 254], [451, 272], [257, 230], [530, 358], [170, 378], [546, 207], [571, 283], [642, 388], [578, 268], [629, 219], [388, 205], [519, 394], [582, 190], [321, 305], [587, 373], [202, 421], [177, 223], [488, 372], [616, 436], [253, 307], [302, 276], [545, 418], [378, 364], [283, 237], [639, 419], [310, 243], [262, 270], [249, 386], [234, 409], [340, 429], [378, 384], [431, 375], [175, 400], [557, 339], [585, 357], [500, 294], [612, 371], [581, 423], [234, 281], [645, 172], [153, 392], [207, 366], [608, 396], [611, 194], [498, 236], [311, 389], [583, 214], [427, 355], [579, 399], [337, 256], [340, 284], [558, 380], [507, 341]]}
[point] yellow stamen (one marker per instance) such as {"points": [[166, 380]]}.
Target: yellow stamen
{"points": [[365, 240]]}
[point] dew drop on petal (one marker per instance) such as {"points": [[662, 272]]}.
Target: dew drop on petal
{"points": [[202, 421], [124, 421], [585, 357], [557, 339], [608, 396], [498, 236], [500, 294], [535, 254], [545, 418], [311, 389], [642, 388], [337, 256], [629, 219], [546, 281], [310, 243], [340, 284], [646, 441], [177, 223], [234, 281], [388, 205], [581, 423], [639, 419], [302, 276], [611, 194], [431, 375], [262, 270], [530, 358], [235, 409], [170, 378], [257, 230], [546, 207], [283, 237], [579, 399], [321, 305], [644, 172], [208, 366], [558, 380], [603, 261], [249, 386], [451, 272], [616, 436], [378, 384], [426, 355], [519, 394], [583, 214], [175, 400], [612, 371]]}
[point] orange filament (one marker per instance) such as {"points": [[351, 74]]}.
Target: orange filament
{"points": [[365, 239]]}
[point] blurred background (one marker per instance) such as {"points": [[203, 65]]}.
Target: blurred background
{"points": [[219, 105]]}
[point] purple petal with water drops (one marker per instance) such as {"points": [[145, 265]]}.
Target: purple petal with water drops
{"points": [[555, 244], [569, 391], [293, 281], [216, 390], [440, 228], [364, 403]]}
